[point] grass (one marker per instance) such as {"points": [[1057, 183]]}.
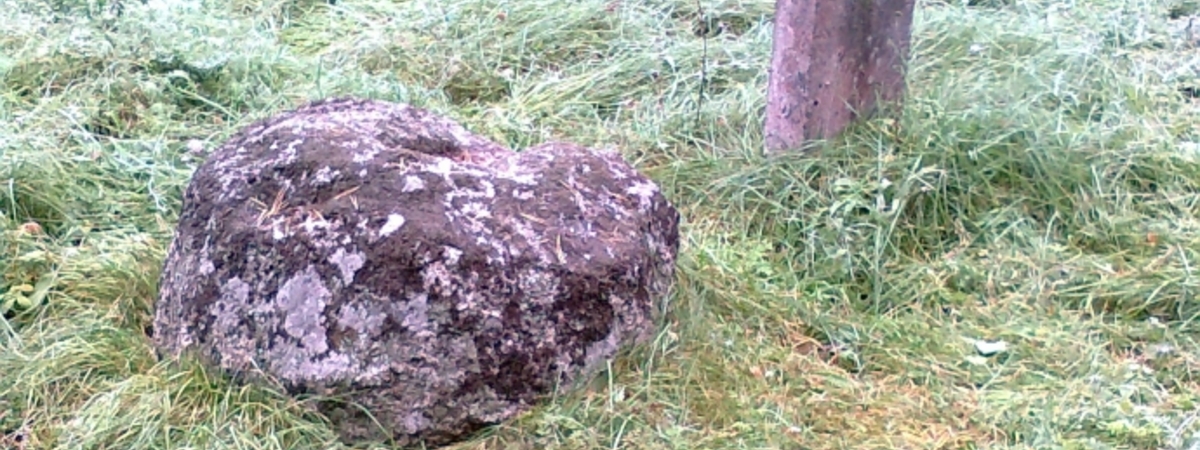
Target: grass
{"points": [[1041, 187]]}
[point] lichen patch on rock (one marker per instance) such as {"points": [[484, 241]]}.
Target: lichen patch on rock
{"points": [[383, 254]]}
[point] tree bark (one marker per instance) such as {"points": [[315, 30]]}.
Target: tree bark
{"points": [[831, 61]]}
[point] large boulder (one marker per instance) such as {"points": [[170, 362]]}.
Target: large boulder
{"points": [[434, 280]]}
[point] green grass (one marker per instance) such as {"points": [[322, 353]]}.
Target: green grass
{"points": [[1041, 186]]}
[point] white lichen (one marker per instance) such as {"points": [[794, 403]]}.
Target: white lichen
{"points": [[393, 223], [412, 183], [347, 263]]}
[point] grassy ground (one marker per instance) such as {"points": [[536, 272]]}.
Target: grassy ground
{"points": [[1041, 188]]}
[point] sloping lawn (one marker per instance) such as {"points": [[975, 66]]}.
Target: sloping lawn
{"points": [[1041, 188]]}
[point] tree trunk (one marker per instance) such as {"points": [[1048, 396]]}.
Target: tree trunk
{"points": [[831, 61]]}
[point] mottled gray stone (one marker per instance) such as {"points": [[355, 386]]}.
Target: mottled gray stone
{"points": [[383, 254]]}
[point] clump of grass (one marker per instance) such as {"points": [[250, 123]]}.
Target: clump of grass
{"points": [[1038, 187]]}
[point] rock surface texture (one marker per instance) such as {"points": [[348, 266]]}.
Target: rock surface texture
{"points": [[381, 254]]}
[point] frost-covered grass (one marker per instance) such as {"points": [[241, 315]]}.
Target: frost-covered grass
{"points": [[1041, 188]]}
